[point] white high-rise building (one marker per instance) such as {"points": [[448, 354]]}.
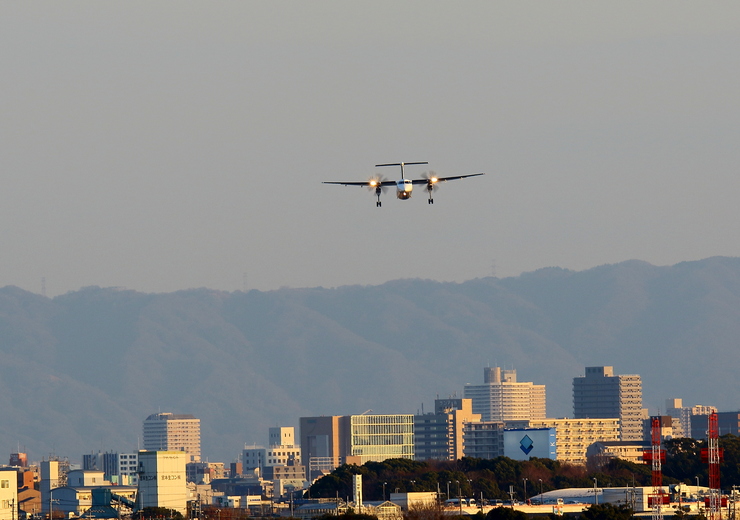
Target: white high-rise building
{"points": [[502, 398], [169, 432]]}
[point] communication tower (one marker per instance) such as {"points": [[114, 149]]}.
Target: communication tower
{"points": [[713, 455], [656, 456]]}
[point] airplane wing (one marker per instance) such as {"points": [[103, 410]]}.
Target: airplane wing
{"points": [[372, 183], [444, 179]]}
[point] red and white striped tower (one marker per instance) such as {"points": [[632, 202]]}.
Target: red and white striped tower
{"points": [[713, 455], [656, 455]]}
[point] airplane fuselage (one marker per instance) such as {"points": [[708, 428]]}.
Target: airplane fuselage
{"points": [[404, 188]]}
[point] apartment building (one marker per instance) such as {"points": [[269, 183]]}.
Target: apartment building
{"points": [[502, 398], [439, 435], [170, 432], [600, 395], [574, 436]]}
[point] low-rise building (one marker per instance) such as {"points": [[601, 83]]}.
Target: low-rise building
{"points": [[8, 494], [601, 452], [484, 440], [119, 468], [75, 501], [204, 472]]}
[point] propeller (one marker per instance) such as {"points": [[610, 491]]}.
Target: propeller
{"points": [[432, 180], [375, 183]]}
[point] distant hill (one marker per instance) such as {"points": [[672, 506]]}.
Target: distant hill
{"points": [[81, 371]]}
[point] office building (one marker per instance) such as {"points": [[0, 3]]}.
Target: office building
{"points": [[439, 435], [282, 452], [19, 459], [327, 442], [502, 398], [169, 432], [602, 395], [727, 422], [119, 468]]}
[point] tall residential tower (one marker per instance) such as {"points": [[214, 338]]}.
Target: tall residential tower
{"points": [[601, 395]]}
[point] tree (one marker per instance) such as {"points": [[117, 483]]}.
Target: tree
{"points": [[159, 512], [607, 512], [505, 513]]}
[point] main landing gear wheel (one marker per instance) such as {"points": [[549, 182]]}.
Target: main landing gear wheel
{"points": [[378, 204]]}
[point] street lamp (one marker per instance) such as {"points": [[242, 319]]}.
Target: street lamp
{"points": [[596, 497], [541, 497], [448, 489], [413, 483], [459, 496], [525, 489], [384, 484]]}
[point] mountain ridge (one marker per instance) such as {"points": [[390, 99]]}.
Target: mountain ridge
{"points": [[81, 371]]}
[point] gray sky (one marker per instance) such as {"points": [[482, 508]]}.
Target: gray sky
{"points": [[167, 145]]}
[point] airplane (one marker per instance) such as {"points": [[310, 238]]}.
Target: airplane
{"points": [[403, 186]]}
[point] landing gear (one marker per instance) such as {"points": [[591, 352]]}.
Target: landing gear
{"points": [[430, 189], [378, 204], [378, 191]]}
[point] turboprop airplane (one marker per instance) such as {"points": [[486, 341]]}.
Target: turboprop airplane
{"points": [[404, 186]]}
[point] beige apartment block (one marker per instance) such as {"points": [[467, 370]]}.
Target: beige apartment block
{"points": [[574, 436], [502, 398], [170, 432]]}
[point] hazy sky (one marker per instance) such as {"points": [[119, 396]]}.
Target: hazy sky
{"points": [[167, 145]]}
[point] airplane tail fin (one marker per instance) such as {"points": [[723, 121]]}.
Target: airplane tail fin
{"points": [[402, 164]]}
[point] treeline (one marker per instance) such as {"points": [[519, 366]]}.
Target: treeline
{"points": [[492, 478]]}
